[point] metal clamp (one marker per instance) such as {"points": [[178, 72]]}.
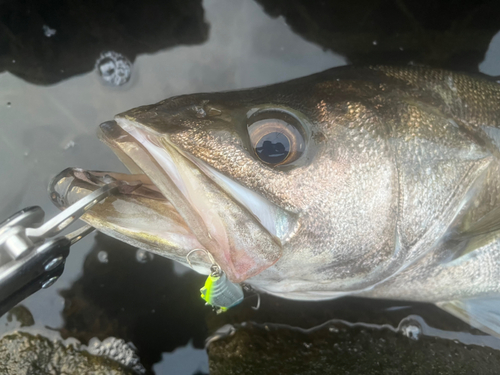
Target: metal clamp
{"points": [[30, 258]]}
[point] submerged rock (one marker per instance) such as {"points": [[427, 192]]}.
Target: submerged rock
{"points": [[341, 349]]}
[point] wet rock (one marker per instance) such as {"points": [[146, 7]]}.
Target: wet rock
{"points": [[22, 315], [339, 349], [46, 41], [438, 33], [24, 353], [117, 350]]}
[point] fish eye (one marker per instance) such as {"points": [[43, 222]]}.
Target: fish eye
{"points": [[275, 138]]}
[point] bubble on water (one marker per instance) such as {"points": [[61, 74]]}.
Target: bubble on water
{"points": [[118, 350], [143, 256], [410, 328], [114, 68], [200, 112], [9, 104], [333, 329], [48, 31], [69, 145], [102, 256]]}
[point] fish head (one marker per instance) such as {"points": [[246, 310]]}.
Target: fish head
{"points": [[212, 164], [261, 179]]}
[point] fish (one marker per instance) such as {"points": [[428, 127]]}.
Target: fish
{"points": [[378, 182]]}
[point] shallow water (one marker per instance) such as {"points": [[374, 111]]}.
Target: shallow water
{"points": [[107, 289]]}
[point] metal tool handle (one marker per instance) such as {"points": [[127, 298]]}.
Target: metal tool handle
{"points": [[29, 258], [40, 269], [13, 240]]}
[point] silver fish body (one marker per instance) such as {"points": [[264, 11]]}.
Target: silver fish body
{"points": [[381, 182]]}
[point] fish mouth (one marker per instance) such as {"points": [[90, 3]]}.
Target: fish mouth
{"points": [[183, 204]]}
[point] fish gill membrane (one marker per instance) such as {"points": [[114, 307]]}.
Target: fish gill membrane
{"points": [[379, 182]]}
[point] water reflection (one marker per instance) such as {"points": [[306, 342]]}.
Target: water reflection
{"points": [[145, 303], [490, 64], [436, 33]]}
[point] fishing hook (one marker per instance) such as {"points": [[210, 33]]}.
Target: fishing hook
{"points": [[215, 269], [258, 303]]}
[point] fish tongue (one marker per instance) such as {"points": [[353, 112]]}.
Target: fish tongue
{"points": [[237, 241]]}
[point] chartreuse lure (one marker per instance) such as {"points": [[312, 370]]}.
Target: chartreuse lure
{"points": [[218, 291]]}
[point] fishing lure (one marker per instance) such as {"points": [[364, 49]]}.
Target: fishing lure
{"points": [[218, 291]]}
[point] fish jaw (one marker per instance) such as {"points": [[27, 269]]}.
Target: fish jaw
{"points": [[235, 236], [142, 218]]}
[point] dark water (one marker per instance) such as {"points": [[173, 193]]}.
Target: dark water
{"points": [[52, 99]]}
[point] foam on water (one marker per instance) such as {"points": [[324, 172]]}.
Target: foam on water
{"points": [[114, 68]]}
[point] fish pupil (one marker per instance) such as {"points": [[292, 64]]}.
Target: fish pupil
{"points": [[273, 148]]}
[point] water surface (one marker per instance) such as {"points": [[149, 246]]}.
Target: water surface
{"points": [[108, 289]]}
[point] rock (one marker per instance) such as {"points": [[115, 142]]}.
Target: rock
{"points": [[24, 353], [436, 33], [341, 349], [46, 41]]}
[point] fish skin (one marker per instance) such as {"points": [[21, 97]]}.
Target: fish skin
{"points": [[401, 165], [393, 153]]}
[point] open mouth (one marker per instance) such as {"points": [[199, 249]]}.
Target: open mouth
{"points": [[183, 204]]}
